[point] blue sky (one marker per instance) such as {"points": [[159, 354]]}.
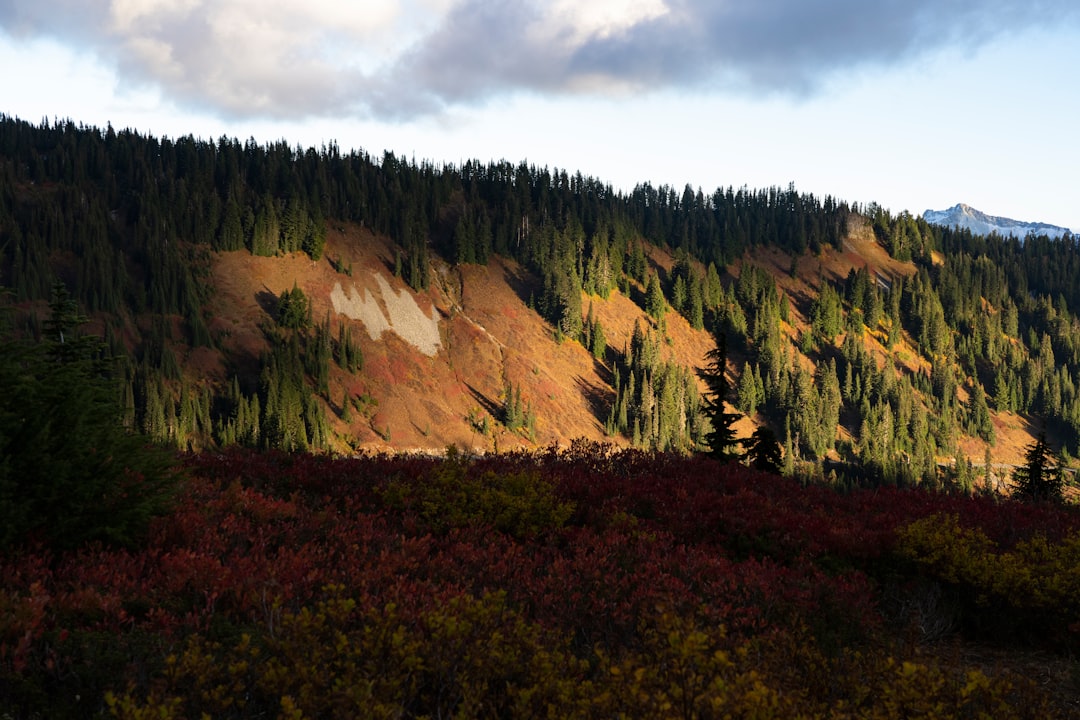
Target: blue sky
{"points": [[914, 104]]}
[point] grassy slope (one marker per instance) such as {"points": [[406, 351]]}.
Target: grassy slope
{"points": [[491, 337]]}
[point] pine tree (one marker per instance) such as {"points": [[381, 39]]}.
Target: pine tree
{"points": [[746, 395], [514, 410], [721, 437], [654, 298], [346, 406], [349, 355], [230, 235], [988, 469], [979, 421], [63, 337], [70, 472], [314, 237], [599, 342], [696, 314], [826, 314], [317, 357], [1040, 479], [679, 295], [789, 448], [1002, 392], [763, 451], [266, 235], [293, 309]]}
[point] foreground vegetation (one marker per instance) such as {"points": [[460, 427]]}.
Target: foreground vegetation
{"points": [[573, 583]]}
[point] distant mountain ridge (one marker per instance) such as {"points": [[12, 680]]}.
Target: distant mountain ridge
{"points": [[962, 215]]}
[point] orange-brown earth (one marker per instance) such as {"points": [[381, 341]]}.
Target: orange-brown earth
{"points": [[489, 337]]}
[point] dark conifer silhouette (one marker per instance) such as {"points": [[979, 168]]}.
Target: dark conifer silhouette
{"points": [[763, 451], [721, 436], [1040, 479]]}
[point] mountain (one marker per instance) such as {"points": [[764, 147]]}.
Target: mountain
{"points": [[327, 301], [965, 216]]}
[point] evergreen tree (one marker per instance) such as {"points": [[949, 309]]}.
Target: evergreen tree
{"points": [[826, 313], [979, 421], [317, 356], [599, 277], [714, 288], [464, 241], [1040, 479], [696, 303], [350, 357], [346, 406], [763, 451], [266, 234], [1002, 391], [655, 305], [988, 470], [69, 470], [62, 333], [314, 237], [515, 411], [747, 392], [789, 448], [230, 235], [561, 302], [293, 309], [598, 341], [679, 295], [721, 437]]}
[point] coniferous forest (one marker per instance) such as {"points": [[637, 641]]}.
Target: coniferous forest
{"points": [[173, 547], [126, 224]]}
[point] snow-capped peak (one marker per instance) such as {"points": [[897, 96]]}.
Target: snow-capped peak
{"points": [[963, 215]]}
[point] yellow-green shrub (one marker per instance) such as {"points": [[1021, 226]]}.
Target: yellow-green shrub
{"points": [[468, 658], [684, 670], [1035, 574], [521, 504], [471, 658]]}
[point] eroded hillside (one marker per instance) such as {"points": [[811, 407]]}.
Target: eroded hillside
{"points": [[438, 363]]}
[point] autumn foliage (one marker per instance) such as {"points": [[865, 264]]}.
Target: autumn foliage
{"points": [[570, 583]]}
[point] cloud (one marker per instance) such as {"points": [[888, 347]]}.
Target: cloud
{"points": [[406, 58]]}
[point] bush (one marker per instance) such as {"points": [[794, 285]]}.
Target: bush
{"points": [[467, 658], [476, 657], [295, 585], [521, 504], [1033, 585]]}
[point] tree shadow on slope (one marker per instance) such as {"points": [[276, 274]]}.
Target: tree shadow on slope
{"points": [[598, 398], [525, 285], [493, 408], [267, 301]]}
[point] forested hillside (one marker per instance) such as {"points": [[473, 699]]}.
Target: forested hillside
{"points": [[887, 370]]}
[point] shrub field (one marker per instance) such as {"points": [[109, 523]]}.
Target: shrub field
{"points": [[570, 583]]}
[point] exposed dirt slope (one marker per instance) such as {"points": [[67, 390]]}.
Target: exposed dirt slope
{"points": [[423, 396], [489, 338]]}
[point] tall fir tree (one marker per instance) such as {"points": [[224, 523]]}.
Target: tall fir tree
{"points": [[721, 436], [1040, 478], [655, 305]]}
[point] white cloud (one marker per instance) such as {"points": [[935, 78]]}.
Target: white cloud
{"points": [[131, 16], [158, 54], [404, 58], [582, 21]]}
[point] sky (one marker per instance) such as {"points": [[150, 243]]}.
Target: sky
{"points": [[913, 104]]}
